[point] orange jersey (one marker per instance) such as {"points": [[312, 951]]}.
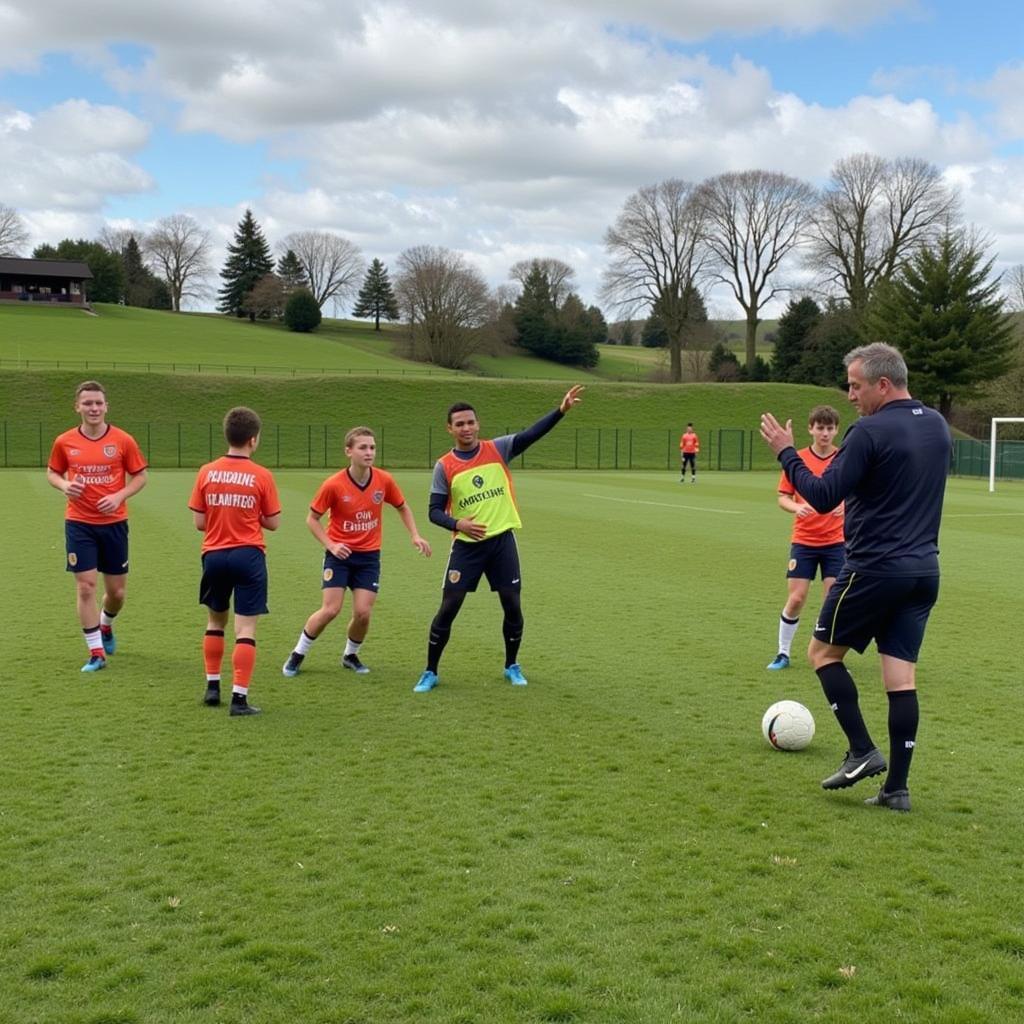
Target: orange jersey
{"points": [[355, 511], [819, 529], [234, 492], [102, 464], [689, 444]]}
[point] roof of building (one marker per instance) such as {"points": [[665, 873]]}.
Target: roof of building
{"points": [[45, 268]]}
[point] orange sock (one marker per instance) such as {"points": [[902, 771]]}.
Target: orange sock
{"points": [[213, 651], [243, 660]]}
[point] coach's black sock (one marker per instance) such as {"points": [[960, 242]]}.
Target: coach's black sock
{"points": [[903, 716], [841, 693]]}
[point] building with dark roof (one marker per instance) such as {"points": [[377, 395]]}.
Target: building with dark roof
{"points": [[50, 281]]}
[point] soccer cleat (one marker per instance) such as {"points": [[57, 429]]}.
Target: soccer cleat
{"points": [[514, 674], [212, 696], [780, 661], [427, 682], [292, 665], [96, 663], [853, 769], [109, 643], [351, 661], [243, 709], [897, 800]]}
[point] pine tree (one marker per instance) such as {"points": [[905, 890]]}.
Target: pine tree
{"points": [[248, 260], [801, 316], [376, 299], [945, 314], [291, 272]]}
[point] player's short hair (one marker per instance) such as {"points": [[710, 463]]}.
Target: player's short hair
{"points": [[823, 414], [689, 424], [879, 360], [90, 385], [241, 424], [350, 437], [460, 407]]}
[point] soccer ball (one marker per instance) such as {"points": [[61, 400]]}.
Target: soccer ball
{"points": [[788, 725]]}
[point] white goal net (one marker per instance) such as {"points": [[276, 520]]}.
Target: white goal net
{"points": [[994, 456]]}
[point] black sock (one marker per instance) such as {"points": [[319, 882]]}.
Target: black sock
{"points": [[903, 716], [841, 693], [513, 635], [435, 647]]}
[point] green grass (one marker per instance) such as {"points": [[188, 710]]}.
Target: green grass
{"points": [[615, 843]]}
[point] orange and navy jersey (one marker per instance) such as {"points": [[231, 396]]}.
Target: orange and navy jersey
{"points": [[102, 464], [689, 443], [819, 529], [355, 510], [480, 486], [234, 492]]}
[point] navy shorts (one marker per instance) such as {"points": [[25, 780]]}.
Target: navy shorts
{"points": [[804, 561], [360, 571], [238, 571], [102, 546], [891, 610], [497, 558]]}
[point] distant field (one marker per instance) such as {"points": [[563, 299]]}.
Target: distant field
{"points": [[613, 844]]}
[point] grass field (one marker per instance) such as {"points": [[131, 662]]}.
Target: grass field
{"points": [[614, 844]]}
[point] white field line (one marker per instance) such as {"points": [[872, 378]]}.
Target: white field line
{"points": [[981, 515], [666, 504]]}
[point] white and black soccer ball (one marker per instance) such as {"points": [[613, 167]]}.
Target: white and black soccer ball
{"points": [[788, 725]]}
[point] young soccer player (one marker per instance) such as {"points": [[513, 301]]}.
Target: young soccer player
{"points": [[817, 541], [354, 498], [471, 495], [233, 501], [689, 449], [98, 468]]}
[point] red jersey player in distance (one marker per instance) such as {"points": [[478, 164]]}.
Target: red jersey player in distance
{"points": [[817, 538], [98, 468], [354, 498]]}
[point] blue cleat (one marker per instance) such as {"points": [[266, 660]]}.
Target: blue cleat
{"points": [[779, 662], [109, 643], [95, 664], [427, 682], [514, 674], [292, 665]]}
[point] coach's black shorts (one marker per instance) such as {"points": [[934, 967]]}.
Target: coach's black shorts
{"points": [[805, 561], [242, 571], [497, 558], [360, 571], [891, 610], [102, 546]]}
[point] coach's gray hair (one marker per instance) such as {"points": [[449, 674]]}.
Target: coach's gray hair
{"points": [[879, 360]]}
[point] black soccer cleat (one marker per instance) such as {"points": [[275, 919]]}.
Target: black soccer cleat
{"points": [[897, 800], [212, 696], [352, 662], [243, 709], [853, 769]]}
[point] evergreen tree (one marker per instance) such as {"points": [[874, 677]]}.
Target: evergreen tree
{"points": [[945, 314], [376, 299], [248, 260], [795, 325], [301, 312], [534, 315], [107, 284], [723, 364], [291, 272], [655, 332], [836, 332]]}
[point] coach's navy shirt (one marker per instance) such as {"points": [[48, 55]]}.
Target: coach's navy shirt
{"points": [[891, 471]]}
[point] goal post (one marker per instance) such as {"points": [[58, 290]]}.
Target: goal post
{"points": [[996, 420]]}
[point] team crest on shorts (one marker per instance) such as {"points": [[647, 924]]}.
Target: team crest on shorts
{"points": [[72, 558], [110, 450], [378, 497], [328, 575], [454, 576], [792, 564]]}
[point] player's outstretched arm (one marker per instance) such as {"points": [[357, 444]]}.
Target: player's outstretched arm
{"points": [[572, 397], [418, 542]]}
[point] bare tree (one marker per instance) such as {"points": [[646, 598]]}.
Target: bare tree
{"points": [[754, 220], [872, 216], [13, 233], [179, 250], [560, 276], [656, 250], [115, 240], [445, 301], [1013, 288], [334, 266]]}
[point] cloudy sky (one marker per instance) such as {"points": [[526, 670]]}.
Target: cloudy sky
{"points": [[502, 130]]}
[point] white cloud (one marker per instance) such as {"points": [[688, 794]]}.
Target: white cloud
{"points": [[1006, 89]]}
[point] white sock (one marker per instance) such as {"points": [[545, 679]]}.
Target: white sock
{"points": [[93, 640], [304, 643], [212, 679], [106, 619], [351, 647], [787, 630]]}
